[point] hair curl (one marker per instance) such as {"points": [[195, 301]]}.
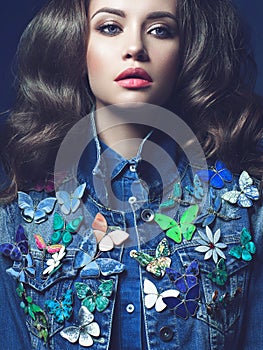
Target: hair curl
{"points": [[213, 93]]}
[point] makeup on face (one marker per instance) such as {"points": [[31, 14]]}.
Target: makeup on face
{"points": [[133, 78], [133, 51]]}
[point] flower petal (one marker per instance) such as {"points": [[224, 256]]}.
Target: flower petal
{"points": [[203, 237], [220, 253], [215, 256], [48, 270], [202, 248], [221, 245], [208, 254], [217, 236], [209, 234]]}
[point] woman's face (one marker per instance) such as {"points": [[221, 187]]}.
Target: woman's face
{"points": [[133, 50]]}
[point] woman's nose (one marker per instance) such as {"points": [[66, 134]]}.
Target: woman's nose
{"points": [[135, 49]]}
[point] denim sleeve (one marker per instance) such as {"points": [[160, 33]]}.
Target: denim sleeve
{"points": [[252, 329], [13, 330]]}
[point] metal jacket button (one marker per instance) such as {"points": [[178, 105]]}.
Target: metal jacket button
{"points": [[166, 334], [132, 200], [147, 215], [130, 308], [133, 168]]}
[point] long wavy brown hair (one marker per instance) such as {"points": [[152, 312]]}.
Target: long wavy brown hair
{"points": [[214, 91]]}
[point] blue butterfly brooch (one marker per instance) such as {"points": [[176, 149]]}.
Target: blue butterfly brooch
{"points": [[247, 193], [185, 306], [61, 309], [186, 283], [217, 176], [213, 212], [35, 212], [89, 262], [186, 280], [70, 201], [15, 251]]}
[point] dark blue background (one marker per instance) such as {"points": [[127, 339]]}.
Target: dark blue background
{"points": [[14, 15]]}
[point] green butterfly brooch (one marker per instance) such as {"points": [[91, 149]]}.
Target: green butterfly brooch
{"points": [[63, 231], [155, 265], [176, 231], [247, 247], [174, 198], [97, 299], [219, 274]]}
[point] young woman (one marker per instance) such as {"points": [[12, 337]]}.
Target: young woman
{"points": [[152, 236]]}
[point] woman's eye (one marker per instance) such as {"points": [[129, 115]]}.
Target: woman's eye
{"points": [[109, 29], [162, 32]]}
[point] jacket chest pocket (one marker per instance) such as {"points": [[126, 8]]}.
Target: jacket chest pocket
{"points": [[39, 288], [222, 290], [41, 282]]}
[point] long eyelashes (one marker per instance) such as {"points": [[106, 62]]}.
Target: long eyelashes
{"points": [[157, 31], [162, 32], [110, 29]]}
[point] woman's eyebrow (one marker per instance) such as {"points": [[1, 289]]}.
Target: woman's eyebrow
{"points": [[109, 10], [161, 14], [152, 15]]}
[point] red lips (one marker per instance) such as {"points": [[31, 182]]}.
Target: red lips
{"points": [[133, 78]]}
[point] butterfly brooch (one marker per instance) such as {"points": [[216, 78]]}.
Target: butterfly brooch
{"points": [[184, 281], [216, 176], [86, 330], [155, 265], [246, 249], [97, 299], [197, 190], [27, 302], [37, 213], [62, 309], [214, 212], [23, 269], [176, 231], [70, 201], [106, 238], [40, 324], [186, 306], [247, 194], [63, 231], [219, 274], [18, 249], [42, 245], [175, 197], [90, 263], [155, 299]]}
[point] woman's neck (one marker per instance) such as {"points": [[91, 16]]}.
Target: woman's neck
{"points": [[117, 131]]}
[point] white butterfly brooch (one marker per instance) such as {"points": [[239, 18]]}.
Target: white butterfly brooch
{"points": [[32, 212], [70, 201], [86, 330], [107, 238], [248, 192], [153, 298]]}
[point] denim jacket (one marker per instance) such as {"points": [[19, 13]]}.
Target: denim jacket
{"points": [[206, 313]]}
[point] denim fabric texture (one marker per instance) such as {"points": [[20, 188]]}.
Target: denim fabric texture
{"points": [[121, 189]]}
